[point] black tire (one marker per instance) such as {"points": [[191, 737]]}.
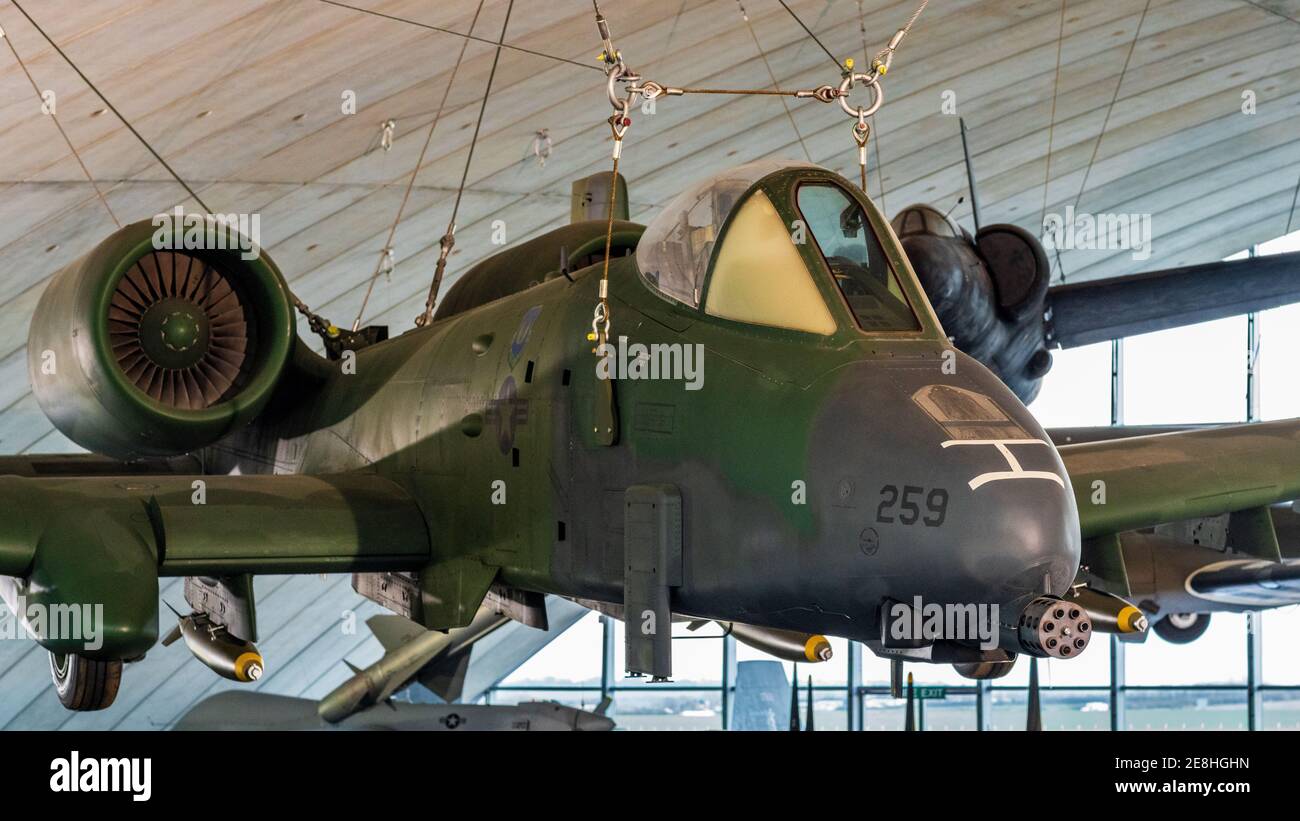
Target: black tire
{"points": [[1182, 628], [85, 684]]}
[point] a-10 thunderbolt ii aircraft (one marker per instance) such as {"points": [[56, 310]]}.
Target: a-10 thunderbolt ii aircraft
{"points": [[991, 292], [813, 453]]}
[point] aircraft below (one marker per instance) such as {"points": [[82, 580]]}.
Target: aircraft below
{"points": [[244, 710]]}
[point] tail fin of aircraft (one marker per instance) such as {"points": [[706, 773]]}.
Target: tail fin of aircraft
{"points": [[591, 198], [762, 696]]}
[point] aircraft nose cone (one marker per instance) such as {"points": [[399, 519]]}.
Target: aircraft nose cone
{"points": [[948, 489], [1021, 534], [590, 722]]}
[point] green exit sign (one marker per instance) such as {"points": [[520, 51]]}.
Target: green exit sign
{"points": [[931, 692]]}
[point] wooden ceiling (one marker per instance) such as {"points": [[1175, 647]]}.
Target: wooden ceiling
{"points": [[243, 98]]}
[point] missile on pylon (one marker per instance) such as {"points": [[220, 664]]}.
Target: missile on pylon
{"points": [[410, 649]]}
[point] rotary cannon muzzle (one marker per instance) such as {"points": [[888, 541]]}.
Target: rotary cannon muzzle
{"points": [[1054, 627]]}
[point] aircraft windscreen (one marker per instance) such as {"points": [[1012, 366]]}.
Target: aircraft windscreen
{"points": [[856, 261]]}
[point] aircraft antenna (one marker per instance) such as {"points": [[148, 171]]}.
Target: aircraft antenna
{"points": [[970, 176], [386, 255]]}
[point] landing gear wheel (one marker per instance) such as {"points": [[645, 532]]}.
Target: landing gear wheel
{"points": [[984, 670], [1182, 628], [83, 683]]}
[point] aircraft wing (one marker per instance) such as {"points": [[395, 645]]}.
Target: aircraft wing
{"points": [[92, 464], [1101, 310], [1143, 481], [108, 539]]}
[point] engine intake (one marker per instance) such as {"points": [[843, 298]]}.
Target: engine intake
{"points": [[138, 351]]}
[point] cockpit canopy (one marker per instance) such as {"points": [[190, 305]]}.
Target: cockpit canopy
{"points": [[726, 246], [924, 219], [675, 250]]}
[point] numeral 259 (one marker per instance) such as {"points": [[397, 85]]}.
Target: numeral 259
{"points": [[905, 506]]}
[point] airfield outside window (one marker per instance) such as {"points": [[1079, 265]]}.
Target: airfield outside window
{"points": [[759, 277], [856, 261]]}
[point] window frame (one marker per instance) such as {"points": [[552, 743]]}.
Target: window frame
{"points": [[818, 285], [781, 187], [901, 281]]}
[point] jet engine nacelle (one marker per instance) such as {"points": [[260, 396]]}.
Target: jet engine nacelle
{"points": [[989, 292], [158, 343]]}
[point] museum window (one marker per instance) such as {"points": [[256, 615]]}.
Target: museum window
{"points": [[1195, 374], [1076, 391]]}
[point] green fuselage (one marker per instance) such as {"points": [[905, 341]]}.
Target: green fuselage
{"points": [[811, 468]]}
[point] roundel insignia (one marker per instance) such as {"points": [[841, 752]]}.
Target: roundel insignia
{"points": [[869, 541], [508, 412], [525, 329]]}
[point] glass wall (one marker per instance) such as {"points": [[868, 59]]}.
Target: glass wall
{"points": [[1243, 673]]}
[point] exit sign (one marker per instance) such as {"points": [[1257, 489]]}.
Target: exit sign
{"points": [[930, 692]]}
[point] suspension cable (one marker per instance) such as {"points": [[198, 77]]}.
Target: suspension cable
{"points": [[880, 174], [507, 46], [112, 108], [89, 178], [448, 240], [617, 71], [809, 31], [318, 324], [772, 75], [1110, 108], [386, 255], [1051, 123]]}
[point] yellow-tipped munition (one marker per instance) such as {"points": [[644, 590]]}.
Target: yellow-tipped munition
{"points": [[1109, 613]]}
